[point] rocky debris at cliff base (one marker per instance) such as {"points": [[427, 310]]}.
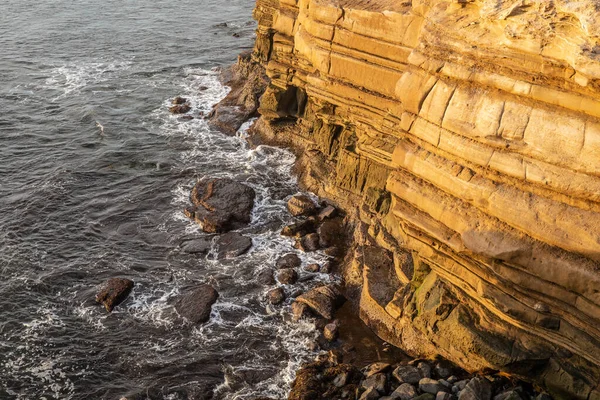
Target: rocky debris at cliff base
{"points": [[301, 205], [232, 244], [197, 304], [299, 229], [323, 301], [221, 204], [326, 378], [114, 292], [308, 243]]}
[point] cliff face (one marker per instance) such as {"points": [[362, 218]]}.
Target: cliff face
{"points": [[464, 136]]}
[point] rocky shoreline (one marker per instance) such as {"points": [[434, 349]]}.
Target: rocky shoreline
{"points": [[220, 206]]}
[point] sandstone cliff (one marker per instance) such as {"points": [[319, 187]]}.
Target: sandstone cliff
{"points": [[464, 136]]}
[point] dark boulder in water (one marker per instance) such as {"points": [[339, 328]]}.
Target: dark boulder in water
{"points": [[289, 260], [180, 108], [232, 244], [179, 100], [114, 291], [197, 305], [228, 119], [221, 204]]}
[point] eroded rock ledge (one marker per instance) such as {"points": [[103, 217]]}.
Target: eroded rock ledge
{"points": [[463, 136]]}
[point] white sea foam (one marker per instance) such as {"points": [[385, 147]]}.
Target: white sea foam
{"points": [[72, 77]]}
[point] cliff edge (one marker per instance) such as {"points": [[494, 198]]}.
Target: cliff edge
{"points": [[463, 136]]}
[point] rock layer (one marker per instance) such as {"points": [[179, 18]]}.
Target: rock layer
{"points": [[464, 137]]}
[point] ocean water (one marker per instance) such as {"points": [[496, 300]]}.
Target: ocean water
{"points": [[94, 175]]}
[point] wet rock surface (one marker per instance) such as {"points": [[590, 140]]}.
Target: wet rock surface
{"points": [[196, 305], [221, 204], [114, 292], [232, 244], [290, 260]]}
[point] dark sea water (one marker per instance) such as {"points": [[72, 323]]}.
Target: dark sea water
{"points": [[94, 175]]}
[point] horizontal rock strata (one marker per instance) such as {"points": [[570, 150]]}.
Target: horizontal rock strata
{"points": [[464, 135]]}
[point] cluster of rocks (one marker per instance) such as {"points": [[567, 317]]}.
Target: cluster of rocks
{"points": [[181, 105], [417, 379], [320, 229]]}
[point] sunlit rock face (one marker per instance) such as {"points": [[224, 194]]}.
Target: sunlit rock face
{"points": [[464, 137]]}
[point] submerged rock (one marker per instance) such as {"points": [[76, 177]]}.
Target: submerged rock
{"points": [[195, 246], [197, 305], [232, 244], [114, 292], [221, 204]]}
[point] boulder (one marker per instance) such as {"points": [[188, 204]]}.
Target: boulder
{"points": [[331, 233], [114, 292], [308, 243], [432, 386], [287, 276], [276, 296], [405, 391], [478, 388], [301, 205], [370, 394], [179, 100], [221, 204], [444, 396], [376, 368], [424, 369], [326, 213], [323, 300], [232, 244], [299, 228], [508, 395], [197, 305], [180, 109], [312, 268], [298, 310], [407, 374], [266, 277], [378, 381], [290, 260], [228, 119]]}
